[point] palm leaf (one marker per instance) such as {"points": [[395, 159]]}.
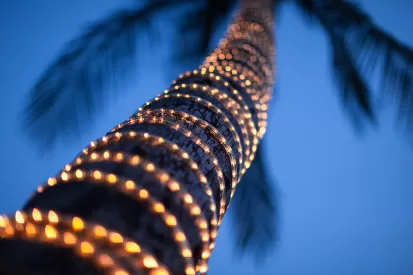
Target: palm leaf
{"points": [[66, 96], [359, 47], [254, 210]]}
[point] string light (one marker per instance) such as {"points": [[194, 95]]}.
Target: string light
{"points": [[213, 77], [138, 193], [211, 130], [38, 227], [222, 94], [222, 119], [164, 179], [206, 151], [242, 118]]}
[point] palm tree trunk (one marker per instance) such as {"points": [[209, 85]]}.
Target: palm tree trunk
{"points": [[148, 198]]}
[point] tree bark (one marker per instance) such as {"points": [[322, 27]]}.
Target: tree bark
{"points": [[148, 198]]}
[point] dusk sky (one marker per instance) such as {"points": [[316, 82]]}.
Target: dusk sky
{"points": [[346, 199]]}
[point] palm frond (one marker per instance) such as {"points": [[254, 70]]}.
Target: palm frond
{"points": [[67, 94], [254, 211], [368, 48]]}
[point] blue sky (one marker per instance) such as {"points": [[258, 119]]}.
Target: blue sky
{"points": [[345, 199]]}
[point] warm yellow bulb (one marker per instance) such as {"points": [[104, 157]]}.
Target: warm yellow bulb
{"points": [[190, 271], [164, 177], [135, 160], [69, 238], [132, 247], [205, 254], [4, 221], [187, 253], [119, 156], [50, 232], [188, 198], [203, 225], [52, 216], [105, 260], [179, 236], [77, 224], [86, 248], [51, 181], [150, 262], [174, 186], [100, 231], [143, 194], [130, 185], [195, 210], [205, 237], [170, 220], [112, 178], [159, 208], [37, 216], [94, 155], [97, 175], [203, 269], [150, 167], [115, 237], [19, 217], [64, 176], [79, 174], [30, 230]]}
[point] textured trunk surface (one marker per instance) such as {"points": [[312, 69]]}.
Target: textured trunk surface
{"points": [[148, 198]]}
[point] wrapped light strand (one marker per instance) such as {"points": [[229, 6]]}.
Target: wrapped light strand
{"points": [[185, 117], [154, 141], [182, 195], [33, 230], [235, 108], [260, 101], [203, 73], [216, 78], [232, 108], [206, 150], [235, 48], [133, 190], [207, 105], [247, 60], [254, 97], [101, 236], [241, 73], [174, 149]]}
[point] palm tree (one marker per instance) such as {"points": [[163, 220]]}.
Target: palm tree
{"points": [[356, 42]]}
